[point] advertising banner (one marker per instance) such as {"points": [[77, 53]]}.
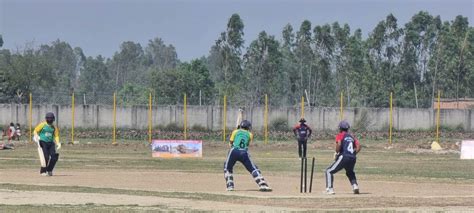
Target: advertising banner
{"points": [[467, 149], [176, 148]]}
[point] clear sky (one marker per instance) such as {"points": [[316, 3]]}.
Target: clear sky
{"points": [[192, 26]]}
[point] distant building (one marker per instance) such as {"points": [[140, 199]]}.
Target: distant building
{"points": [[462, 103]]}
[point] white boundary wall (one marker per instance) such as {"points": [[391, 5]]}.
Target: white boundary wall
{"points": [[210, 117]]}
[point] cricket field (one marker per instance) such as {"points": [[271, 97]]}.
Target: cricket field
{"points": [[96, 176]]}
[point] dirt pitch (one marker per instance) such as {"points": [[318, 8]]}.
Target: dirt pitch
{"points": [[109, 188]]}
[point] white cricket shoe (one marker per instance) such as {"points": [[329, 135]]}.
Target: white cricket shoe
{"points": [[44, 174], [330, 191], [231, 188], [355, 189], [264, 188]]}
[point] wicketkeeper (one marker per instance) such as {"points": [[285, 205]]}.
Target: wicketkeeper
{"points": [[347, 147], [46, 135], [239, 143]]}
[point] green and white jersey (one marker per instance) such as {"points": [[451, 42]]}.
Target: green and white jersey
{"points": [[47, 133], [241, 138]]}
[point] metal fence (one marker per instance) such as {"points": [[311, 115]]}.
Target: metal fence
{"points": [[142, 98], [64, 98]]}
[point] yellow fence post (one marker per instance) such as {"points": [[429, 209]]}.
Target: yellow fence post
{"points": [[150, 124], [224, 120], [114, 121], [185, 118], [341, 113], [72, 121], [31, 117], [302, 106], [391, 119], [266, 118], [437, 118]]}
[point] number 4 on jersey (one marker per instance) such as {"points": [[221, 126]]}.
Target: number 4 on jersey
{"points": [[350, 145]]}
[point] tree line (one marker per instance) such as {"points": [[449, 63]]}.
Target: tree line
{"points": [[319, 62]]}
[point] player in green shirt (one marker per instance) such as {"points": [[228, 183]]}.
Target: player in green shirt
{"points": [[239, 143], [46, 135]]}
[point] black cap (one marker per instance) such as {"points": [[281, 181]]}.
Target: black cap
{"points": [[50, 117], [245, 124], [344, 125]]}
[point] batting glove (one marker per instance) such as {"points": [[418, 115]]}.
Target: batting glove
{"points": [[36, 139], [336, 155], [58, 146]]}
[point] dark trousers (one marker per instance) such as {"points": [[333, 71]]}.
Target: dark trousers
{"points": [[50, 156], [241, 156], [302, 148], [341, 162]]}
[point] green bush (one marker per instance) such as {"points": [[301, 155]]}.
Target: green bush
{"points": [[279, 124], [452, 128], [174, 127], [199, 128], [363, 122]]}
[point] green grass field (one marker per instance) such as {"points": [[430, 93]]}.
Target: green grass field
{"points": [[402, 163]]}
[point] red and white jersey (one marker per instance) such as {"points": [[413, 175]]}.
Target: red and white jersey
{"points": [[302, 131], [348, 144]]}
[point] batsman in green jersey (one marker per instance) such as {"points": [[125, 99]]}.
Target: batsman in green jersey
{"points": [[46, 135], [239, 142]]}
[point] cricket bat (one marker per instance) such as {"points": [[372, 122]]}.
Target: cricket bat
{"points": [[40, 151], [239, 118], [41, 157]]}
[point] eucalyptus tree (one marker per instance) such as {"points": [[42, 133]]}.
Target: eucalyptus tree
{"points": [[80, 61], [24, 72], [94, 77], [64, 62], [289, 74], [126, 65], [419, 45], [4, 55], [167, 85], [463, 40], [159, 55], [469, 60], [356, 70], [225, 58], [323, 81], [304, 59], [198, 84], [262, 70], [341, 57], [384, 56], [192, 79]]}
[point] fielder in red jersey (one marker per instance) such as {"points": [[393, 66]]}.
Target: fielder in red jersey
{"points": [[347, 147]]}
